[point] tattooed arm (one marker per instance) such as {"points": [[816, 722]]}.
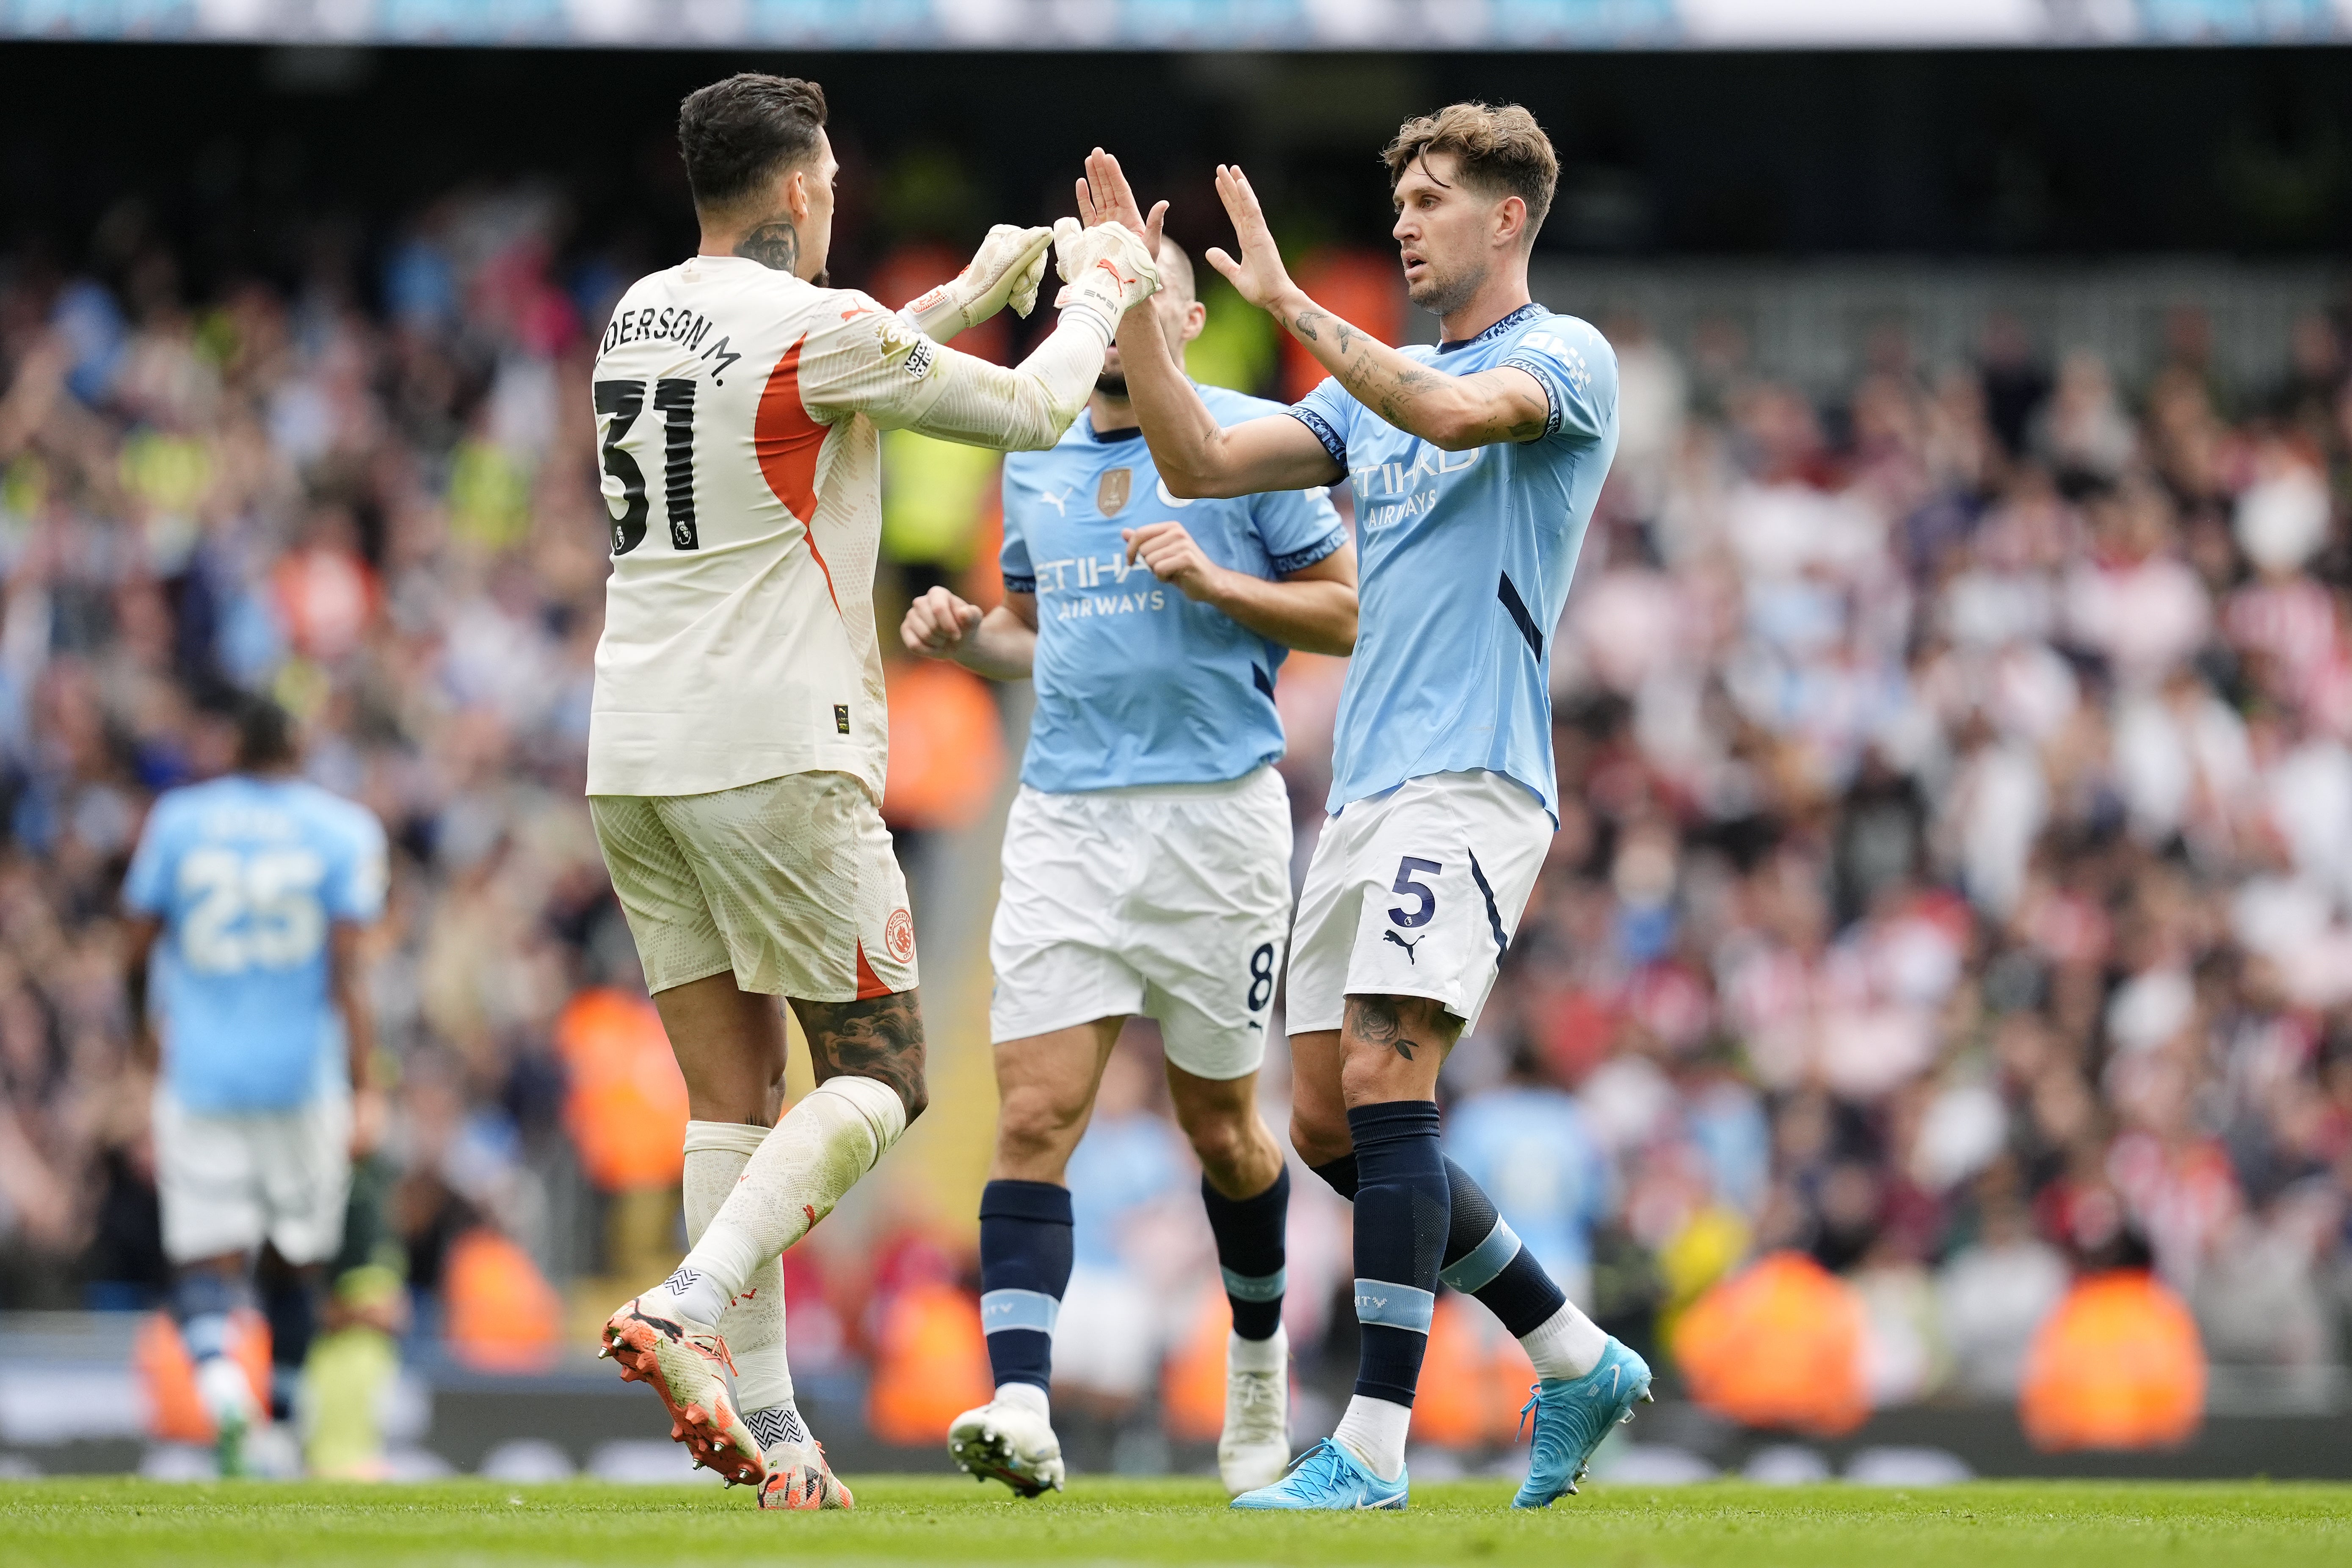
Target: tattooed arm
{"points": [[1451, 412], [880, 1038], [1195, 454]]}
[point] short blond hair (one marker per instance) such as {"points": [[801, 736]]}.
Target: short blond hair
{"points": [[1499, 148]]}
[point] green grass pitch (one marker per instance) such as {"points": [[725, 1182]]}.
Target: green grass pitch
{"points": [[112, 1523]]}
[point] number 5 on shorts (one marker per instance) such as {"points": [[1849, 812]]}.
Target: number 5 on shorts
{"points": [[1407, 868]]}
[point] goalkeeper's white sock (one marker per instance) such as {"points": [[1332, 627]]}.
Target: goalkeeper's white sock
{"points": [[754, 1323], [816, 1153]]}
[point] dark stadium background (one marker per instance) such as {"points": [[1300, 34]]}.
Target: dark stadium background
{"points": [[241, 152]]}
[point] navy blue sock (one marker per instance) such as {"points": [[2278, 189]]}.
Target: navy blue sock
{"points": [[1024, 1267], [1339, 1175], [1484, 1258], [1249, 1233], [290, 1303], [1402, 1217], [202, 1302], [1483, 1254]]}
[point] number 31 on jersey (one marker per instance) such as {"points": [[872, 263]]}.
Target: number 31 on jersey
{"points": [[621, 402]]}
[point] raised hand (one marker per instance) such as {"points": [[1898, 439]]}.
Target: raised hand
{"points": [[1259, 276], [1105, 265], [1007, 269], [938, 623], [1105, 196]]}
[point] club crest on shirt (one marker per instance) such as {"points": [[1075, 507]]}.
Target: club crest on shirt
{"points": [[1110, 493]]}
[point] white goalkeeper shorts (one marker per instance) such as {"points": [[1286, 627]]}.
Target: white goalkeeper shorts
{"points": [[229, 1181], [1170, 900], [791, 883], [1415, 892]]}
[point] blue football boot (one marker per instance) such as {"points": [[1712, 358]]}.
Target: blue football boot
{"points": [[1572, 1416], [1327, 1477]]}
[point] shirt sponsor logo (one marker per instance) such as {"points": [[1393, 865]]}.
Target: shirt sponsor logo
{"points": [[1406, 481], [900, 341], [1082, 573], [1394, 513], [1082, 608]]}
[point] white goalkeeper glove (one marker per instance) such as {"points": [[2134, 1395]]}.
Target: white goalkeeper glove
{"points": [[1006, 269], [1106, 271]]}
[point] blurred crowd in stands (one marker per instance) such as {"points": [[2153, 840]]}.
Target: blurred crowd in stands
{"points": [[1954, 883]]}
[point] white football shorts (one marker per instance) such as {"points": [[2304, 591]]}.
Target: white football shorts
{"points": [[790, 882], [228, 1181], [1170, 900], [1415, 892]]}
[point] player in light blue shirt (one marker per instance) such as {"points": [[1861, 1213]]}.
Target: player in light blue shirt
{"points": [[1474, 465], [248, 897], [1526, 1142], [1452, 662], [1139, 683], [1146, 866]]}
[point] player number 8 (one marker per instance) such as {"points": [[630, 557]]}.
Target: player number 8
{"points": [[1261, 989]]}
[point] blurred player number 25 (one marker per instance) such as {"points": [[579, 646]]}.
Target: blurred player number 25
{"points": [[257, 910]]}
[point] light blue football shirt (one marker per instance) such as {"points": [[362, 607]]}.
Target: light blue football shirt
{"points": [[1533, 1153], [246, 876], [1136, 683], [1123, 1163], [1466, 560]]}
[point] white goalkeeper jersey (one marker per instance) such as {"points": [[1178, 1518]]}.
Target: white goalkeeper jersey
{"points": [[737, 411]]}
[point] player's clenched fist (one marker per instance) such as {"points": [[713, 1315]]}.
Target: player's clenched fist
{"points": [[1006, 269], [937, 624], [1174, 557]]}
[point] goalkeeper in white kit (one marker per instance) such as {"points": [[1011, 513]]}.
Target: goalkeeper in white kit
{"points": [[738, 734]]}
